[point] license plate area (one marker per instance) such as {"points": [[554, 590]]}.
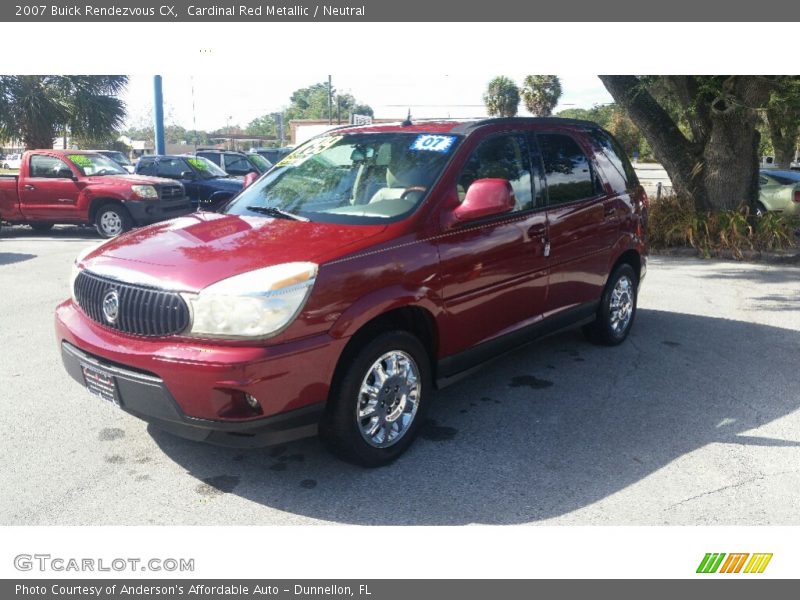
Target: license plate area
{"points": [[100, 384]]}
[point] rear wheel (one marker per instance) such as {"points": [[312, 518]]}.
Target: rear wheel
{"points": [[617, 308], [41, 226], [111, 220], [379, 403]]}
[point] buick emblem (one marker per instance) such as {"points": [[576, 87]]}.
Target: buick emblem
{"points": [[111, 306]]}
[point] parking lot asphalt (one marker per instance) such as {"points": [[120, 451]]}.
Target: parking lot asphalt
{"points": [[693, 421]]}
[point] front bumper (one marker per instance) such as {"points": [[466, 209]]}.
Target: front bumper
{"points": [[145, 212], [146, 397], [186, 387]]}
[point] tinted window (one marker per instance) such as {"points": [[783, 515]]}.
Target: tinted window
{"points": [[566, 168], [172, 168], [613, 151], [237, 163], [49, 166], [212, 156], [503, 157], [146, 167]]}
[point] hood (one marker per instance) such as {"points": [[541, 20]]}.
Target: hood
{"points": [[130, 179], [192, 252], [224, 183]]}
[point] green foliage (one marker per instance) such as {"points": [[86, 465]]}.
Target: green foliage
{"points": [[37, 108], [312, 103], [541, 93], [674, 222], [501, 97]]}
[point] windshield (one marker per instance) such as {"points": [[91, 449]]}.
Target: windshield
{"points": [[260, 163], [96, 164], [356, 178], [206, 168], [118, 157]]}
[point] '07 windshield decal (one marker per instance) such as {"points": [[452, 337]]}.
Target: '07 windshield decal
{"points": [[433, 143]]}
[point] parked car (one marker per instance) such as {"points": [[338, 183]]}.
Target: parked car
{"points": [[12, 161], [779, 191], [367, 268], [273, 155], [70, 186], [236, 164], [118, 157], [206, 184]]}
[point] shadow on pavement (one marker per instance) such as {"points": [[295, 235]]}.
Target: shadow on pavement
{"points": [[505, 447], [9, 258], [59, 232]]}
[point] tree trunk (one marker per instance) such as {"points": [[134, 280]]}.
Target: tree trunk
{"points": [[783, 129], [719, 170]]}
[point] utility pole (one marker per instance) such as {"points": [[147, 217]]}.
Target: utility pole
{"points": [[330, 101], [158, 115]]}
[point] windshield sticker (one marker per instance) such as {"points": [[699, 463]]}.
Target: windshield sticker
{"points": [[313, 147], [433, 143], [80, 160], [198, 164]]}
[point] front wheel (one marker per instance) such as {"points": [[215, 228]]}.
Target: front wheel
{"points": [[617, 308], [377, 407], [111, 220]]}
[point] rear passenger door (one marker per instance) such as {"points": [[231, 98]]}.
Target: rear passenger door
{"points": [[581, 220]]}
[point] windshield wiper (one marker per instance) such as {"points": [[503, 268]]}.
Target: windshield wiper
{"points": [[271, 211]]}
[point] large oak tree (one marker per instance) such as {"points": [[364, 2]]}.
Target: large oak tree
{"points": [[702, 129]]}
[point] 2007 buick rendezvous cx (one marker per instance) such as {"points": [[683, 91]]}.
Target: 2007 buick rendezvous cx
{"points": [[368, 266]]}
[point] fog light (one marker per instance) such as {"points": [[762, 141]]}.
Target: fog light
{"points": [[252, 401]]}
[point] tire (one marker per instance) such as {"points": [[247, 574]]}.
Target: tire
{"points": [[611, 327], [37, 226], [404, 359], [112, 220]]}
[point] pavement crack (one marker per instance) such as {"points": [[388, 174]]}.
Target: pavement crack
{"points": [[734, 485]]}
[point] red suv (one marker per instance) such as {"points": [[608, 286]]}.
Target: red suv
{"points": [[372, 265]]}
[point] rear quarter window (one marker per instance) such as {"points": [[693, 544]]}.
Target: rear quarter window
{"points": [[614, 162]]}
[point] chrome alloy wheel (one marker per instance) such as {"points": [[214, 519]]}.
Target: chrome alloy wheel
{"points": [[388, 399], [111, 223], [621, 305]]}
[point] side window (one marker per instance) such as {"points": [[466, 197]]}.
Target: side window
{"points": [[212, 156], [49, 166], [147, 167], [236, 163], [503, 157], [566, 169], [171, 168]]}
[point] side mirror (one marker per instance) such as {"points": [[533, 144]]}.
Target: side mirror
{"points": [[250, 179], [485, 198]]}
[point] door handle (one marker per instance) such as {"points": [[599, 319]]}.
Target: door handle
{"points": [[28, 187]]}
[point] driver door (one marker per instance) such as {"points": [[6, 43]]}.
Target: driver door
{"points": [[50, 192]]}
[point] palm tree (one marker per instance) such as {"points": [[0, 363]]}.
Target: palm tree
{"points": [[36, 108], [540, 93], [501, 97]]}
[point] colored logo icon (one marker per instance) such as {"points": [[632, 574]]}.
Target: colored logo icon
{"points": [[734, 563]]}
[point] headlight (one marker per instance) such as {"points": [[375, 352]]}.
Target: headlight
{"points": [[252, 305], [147, 192]]}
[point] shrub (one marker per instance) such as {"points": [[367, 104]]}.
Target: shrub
{"points": [[674, 221]]}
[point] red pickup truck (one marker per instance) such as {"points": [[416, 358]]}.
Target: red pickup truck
{"points": [[70, 186]]}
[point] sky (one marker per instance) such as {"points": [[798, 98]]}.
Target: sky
{"points": [[220, 100]]}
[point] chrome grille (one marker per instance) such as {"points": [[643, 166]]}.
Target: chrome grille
{"points": [[141, 310], [171, 191]]}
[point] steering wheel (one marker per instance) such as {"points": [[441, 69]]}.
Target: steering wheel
{"points": [[412, 189]]}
